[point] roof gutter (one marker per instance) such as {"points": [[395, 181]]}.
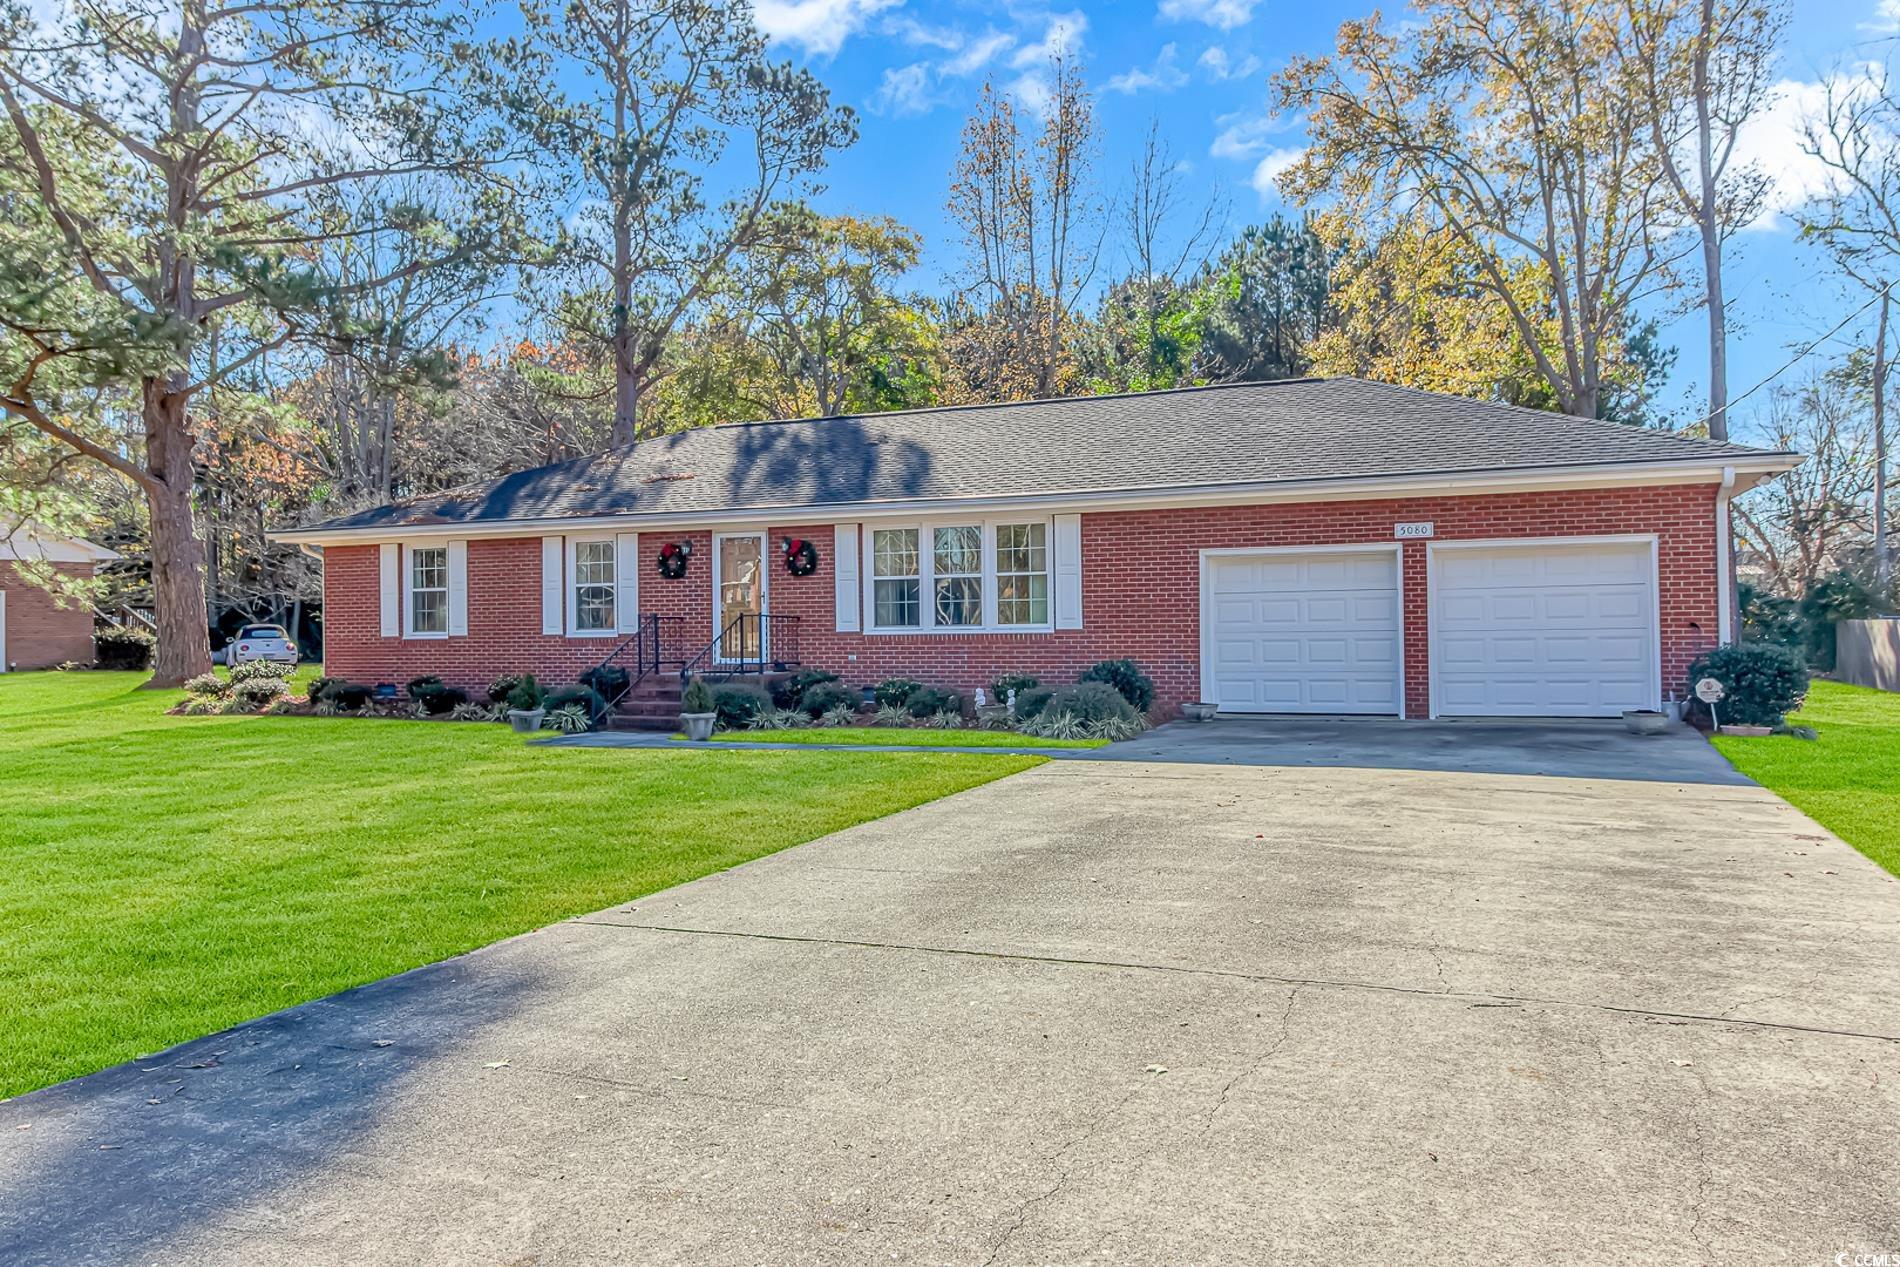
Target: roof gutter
{"points": [[1449, 484]]}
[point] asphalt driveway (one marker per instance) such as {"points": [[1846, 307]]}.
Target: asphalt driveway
{"points": [[1341, 992]]}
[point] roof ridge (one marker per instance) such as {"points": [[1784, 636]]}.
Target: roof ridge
{"points": [[1073, 399]]}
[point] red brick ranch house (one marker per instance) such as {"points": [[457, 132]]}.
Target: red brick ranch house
{"points": [[1310, 546]]}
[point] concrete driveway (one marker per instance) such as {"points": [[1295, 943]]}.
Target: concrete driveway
{"points": [[1250, 992]]}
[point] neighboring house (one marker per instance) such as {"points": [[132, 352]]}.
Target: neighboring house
{"points": [[1319, 546], [39, 629]]}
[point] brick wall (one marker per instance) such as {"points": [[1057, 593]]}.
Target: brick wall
{"points": [[1140, 592], [40, 631]]}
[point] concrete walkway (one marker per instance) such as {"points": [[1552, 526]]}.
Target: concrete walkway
{"points": [[1339, 1004]]}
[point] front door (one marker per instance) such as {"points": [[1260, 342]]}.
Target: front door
{"points": [[739, 594]]}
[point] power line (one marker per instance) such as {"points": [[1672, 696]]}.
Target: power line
{"points": [[1798, 357]]}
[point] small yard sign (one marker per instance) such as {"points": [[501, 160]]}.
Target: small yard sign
{"points": [[1710, 692], [1413, 531]]}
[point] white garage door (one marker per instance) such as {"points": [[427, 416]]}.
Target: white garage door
{"points": [[1544, 630], [1301, 633]]}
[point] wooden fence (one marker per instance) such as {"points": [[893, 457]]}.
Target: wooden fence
{"points": [[1867, 652]]}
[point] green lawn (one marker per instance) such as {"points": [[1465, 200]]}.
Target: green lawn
{"points": [[165, 877], [1848, 780], [918, 737]]}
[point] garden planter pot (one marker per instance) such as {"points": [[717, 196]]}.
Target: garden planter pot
{"points": [[1645, 721], [698, 726], [526, 720], [1199, 712]]}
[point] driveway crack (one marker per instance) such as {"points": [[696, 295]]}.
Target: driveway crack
{"points": [[1259, 1063], [1025, 1208], [1468, 997]]}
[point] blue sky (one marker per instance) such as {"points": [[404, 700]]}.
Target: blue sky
{"points": [[912, 68]]}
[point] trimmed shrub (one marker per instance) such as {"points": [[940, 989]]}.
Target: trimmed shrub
{"points": [[895, 691], [470, 712], [344, 695], [1765, 682], [1031, 702], [697, 698], [1088, 702], [262, 671], [737, 703], [609, 680], [527, 694], [439, 700], [258, 692], [1127, 678], [824, 697], [502, 687], [416, 686], [585, 697], [928, 701], [125, 647], [789, 692], [1017, 682], [207, 686]]}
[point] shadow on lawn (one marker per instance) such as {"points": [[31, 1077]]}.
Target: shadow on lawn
{"points": [[112, 1166]]}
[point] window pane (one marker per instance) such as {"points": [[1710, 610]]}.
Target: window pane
{"points": [[894, 552], [428, 569], [594, 563], [896, 604], [1022, 600], [959, 600], [430, 611], [1022, 548], [594, 607], [959, 551]]}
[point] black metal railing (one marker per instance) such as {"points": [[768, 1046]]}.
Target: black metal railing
{"points": [[748, 646], [638, 656]]}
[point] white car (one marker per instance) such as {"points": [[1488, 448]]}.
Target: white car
{"points": [[262, 642]]}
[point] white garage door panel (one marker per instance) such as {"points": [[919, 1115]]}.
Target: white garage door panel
{"points": [[1544, 630], [1314, 633]]}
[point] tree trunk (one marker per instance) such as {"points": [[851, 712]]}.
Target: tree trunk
{"points": [[178, 556], [1883, 563], [1718, 334]]}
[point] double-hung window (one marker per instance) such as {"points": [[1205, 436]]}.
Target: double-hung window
{"points": [[896, 579], [986, 575], [429, 590], [1022, 574], [593, 587]]}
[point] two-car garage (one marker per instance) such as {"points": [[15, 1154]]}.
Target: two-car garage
{"points": [[1553, 628]]}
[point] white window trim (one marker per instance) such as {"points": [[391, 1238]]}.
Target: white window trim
{"points": [[572, 581], [405, 558], [926, 576]]}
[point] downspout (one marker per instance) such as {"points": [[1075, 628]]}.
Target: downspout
{"points": [[1725, 558]]}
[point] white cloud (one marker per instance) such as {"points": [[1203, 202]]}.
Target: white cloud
{"points": [[1886, 19], [1220, 68], [904, 90], [1063, 34], [820, 27], [1164, 76], [1243, 136], [975, 54], [1772, 141], [1268, 169], [918, 35], [1223, 15]]}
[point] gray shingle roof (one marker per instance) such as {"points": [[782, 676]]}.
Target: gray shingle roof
{"points": [[1297, 430]]}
